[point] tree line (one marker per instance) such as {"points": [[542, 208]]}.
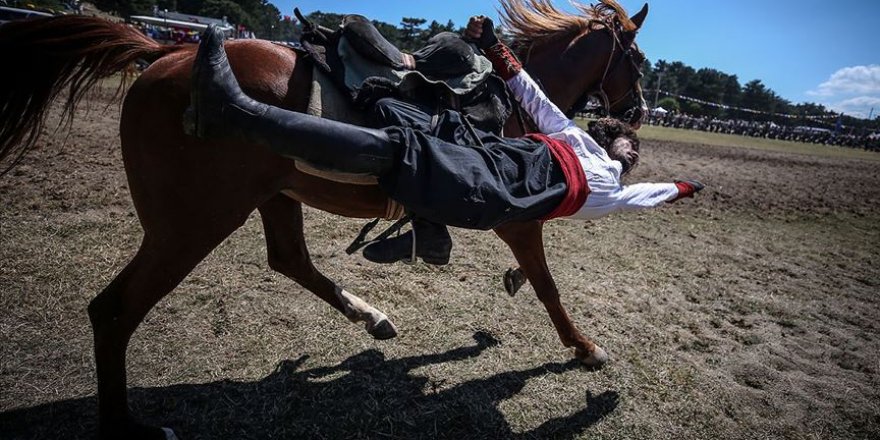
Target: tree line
{"points": [[715, 86]]}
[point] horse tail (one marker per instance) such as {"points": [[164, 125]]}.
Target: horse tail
{"points": [[44, 57]]}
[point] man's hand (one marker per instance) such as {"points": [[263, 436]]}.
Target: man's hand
{"points": [[481, 31], [475, 27]]}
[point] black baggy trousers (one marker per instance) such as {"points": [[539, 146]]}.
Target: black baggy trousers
{"points": [[451, 173]]}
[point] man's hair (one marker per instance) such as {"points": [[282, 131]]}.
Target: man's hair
{"points": [[604, 131]]}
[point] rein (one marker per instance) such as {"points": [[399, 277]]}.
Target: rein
{"points": [[626, 54], [599, 90]]}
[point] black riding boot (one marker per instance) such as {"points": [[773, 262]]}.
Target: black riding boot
{"points": [[433, 245], [219, 109]]}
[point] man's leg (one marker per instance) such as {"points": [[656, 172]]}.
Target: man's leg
{"points": [[221, 110], [432, 241], [392, 112], [367, 40]]}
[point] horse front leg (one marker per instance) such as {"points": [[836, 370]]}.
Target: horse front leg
{"points": [[526, 242], [288, 255]]}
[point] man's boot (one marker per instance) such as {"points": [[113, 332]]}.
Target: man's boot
{"points": [[432, 245], [219, 109]]}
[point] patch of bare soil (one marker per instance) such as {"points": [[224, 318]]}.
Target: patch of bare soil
{"points": [[749, 312]]}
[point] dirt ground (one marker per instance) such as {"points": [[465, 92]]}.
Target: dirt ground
{"points": [[750, 312]]}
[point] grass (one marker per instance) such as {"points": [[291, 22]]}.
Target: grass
{"points": [[655, 133], [749, 312]]}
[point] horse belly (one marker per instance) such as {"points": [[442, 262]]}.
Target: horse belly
{"points": [[345, 199]]}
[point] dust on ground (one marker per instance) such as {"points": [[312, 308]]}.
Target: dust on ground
{"points": [[751, 312]]}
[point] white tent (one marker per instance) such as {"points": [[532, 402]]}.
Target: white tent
{"points": [[660, 111]]}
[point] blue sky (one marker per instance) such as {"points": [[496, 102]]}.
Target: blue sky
{"points": [[805, 50]]}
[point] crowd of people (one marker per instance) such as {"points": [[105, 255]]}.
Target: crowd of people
{"points": [[169, 35], [843, 137]]}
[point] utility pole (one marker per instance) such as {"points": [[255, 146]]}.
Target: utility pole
{"points": [[657, 87]]}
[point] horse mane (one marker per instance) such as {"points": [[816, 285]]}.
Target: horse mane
{"points": [[535, 22]]}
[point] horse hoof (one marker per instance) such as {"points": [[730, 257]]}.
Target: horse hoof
{"points": [[594, 359], [514, 279], [169, 434], [384, 329]]}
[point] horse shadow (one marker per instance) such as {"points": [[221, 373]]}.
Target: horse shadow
{"points": [[365, 396]]}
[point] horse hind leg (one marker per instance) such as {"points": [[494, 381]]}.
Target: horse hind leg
{"points": [[157, 268], [289, 255]]}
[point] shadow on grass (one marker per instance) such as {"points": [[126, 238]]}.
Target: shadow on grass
{"points": [[365, 396]]}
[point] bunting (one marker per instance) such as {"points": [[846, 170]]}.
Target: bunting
{"points": [[746, 110]]}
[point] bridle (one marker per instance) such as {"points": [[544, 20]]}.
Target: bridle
{"points": [[580, 105], [611, 66]]}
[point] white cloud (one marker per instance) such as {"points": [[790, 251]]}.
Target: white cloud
{"points": [[851, 90], [851, 80], [859, 106]]}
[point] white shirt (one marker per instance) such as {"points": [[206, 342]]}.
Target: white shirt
{"points": [[607, 194]]}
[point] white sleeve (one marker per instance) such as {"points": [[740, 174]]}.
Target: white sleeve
{"points": [[645, 195], [533, 100], [628, 198]]}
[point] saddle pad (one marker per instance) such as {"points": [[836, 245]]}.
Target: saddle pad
{"points": [[326, 101]]}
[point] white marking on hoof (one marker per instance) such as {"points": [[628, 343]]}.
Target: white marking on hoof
{"points": [[357, 310], [169, 434], [595, 359]]}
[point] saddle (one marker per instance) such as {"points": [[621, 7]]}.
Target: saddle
{"points": [[445, 74]]}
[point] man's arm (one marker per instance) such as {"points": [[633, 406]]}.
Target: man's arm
{"points": [[544, 112], [549, 118], [637, 196]]}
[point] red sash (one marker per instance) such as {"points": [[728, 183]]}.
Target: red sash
{"points": [[578, 189]]}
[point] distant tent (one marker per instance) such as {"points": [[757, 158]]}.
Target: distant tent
{"points": [[660, 111]]}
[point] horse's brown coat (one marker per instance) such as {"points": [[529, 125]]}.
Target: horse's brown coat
{"points": [[191, 194]]}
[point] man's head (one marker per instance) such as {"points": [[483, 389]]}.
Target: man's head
{"points": [[618, 139]]}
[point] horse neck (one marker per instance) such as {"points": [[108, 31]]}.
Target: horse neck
{"points": [[565, 69]]}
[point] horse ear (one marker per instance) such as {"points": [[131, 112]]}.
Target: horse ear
{"points": [[639, 18]]}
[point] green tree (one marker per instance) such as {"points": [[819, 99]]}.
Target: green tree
{"points": [[411, 32], [233, 12], [435, 28], [327, 19], [125, 8]]}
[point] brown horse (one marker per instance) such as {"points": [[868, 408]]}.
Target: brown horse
{"points": [[191, 194]]}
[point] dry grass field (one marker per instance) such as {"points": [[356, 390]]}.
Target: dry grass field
{"points": [[750, 312]]}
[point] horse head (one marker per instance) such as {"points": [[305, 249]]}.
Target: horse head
{"points": [[581, 58]]}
